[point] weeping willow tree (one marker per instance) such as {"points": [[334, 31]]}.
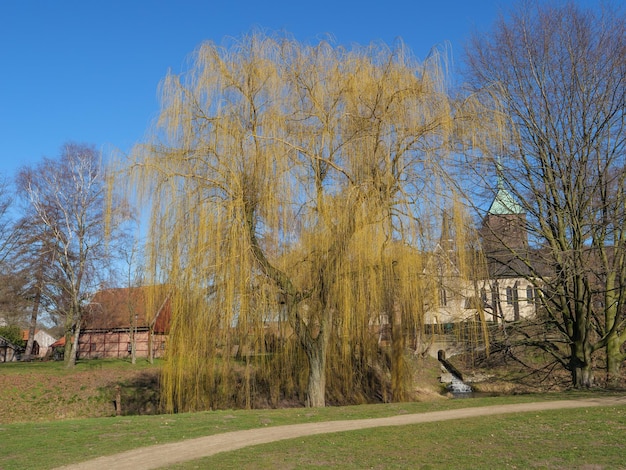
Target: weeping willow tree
{"points": [[292, 190]]}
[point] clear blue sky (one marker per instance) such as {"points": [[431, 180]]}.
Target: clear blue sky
{"points": [[88, 71]]}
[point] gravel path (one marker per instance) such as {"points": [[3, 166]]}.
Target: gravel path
{"points": [[159, 456]]}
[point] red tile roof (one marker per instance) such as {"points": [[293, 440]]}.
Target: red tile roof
{"points": [[58, 343], [118, 308], [25, 334]]}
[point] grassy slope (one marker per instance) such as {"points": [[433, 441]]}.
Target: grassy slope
{"points": [[44, 391]]}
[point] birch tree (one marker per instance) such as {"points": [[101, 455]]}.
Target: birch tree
{"points": [[292, 188], [67, 201], [560, 73]]}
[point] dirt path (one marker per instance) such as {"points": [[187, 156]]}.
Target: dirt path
{"points": [[159, 456]]}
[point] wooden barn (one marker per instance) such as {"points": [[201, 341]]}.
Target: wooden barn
{"points": [[118, 318], [9, 352]]}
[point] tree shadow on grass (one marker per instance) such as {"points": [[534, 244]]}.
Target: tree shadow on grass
{"points": [[137, 396]]}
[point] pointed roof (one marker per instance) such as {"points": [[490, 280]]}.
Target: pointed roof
{"points": [[446, 242], [504, 203]]}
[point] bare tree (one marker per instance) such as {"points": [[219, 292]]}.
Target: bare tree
{"points": [[291, 187], [13, 308], [33, 263], [559, 73], [8, 226], [132, 263], [67, 199]]}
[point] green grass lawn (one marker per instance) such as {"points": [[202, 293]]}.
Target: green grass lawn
{"points": [[58, 368], [583, 438], [561, 439]]}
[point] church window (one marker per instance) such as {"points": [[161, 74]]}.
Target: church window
{"points": [[509, 295]]}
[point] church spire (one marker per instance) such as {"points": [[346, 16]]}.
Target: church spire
{"points": [[446, 240], [504, 203]]}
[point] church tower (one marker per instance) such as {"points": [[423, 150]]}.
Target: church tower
{"points": [[505, 246], [504, 226]]}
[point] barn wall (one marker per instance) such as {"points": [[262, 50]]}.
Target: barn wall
{"points": [[116, 344], [7, 354]]}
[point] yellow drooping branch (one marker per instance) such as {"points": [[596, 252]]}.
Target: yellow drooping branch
{"points": [[285, 180]]}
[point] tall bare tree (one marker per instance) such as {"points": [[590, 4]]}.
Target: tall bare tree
{"points": [[559, 72], [131, 261], [13, 309], [68, 199], [32, 261], [8, 232], [291, 189]]}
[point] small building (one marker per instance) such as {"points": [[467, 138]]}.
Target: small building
{"points": [[55, 350], [42, 341], [9, 352], [119, 318]]}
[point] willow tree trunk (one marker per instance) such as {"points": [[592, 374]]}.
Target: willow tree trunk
{"points": [[398, 368], [398, 350], [316, 350]]}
